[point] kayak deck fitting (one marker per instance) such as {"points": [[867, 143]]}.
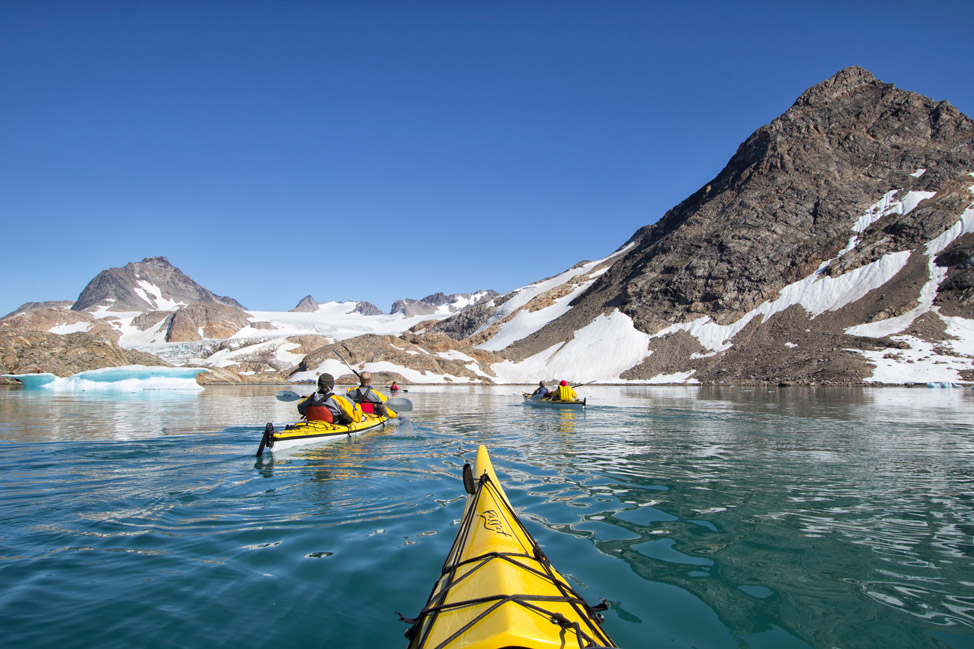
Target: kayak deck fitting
{"points": [[497, 588]]}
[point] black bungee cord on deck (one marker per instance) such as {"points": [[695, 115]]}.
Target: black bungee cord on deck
{"points": [[533, 603]]}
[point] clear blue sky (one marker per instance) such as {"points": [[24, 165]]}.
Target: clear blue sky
{"points": [[380, 150]]}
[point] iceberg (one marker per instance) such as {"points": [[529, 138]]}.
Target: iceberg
{"points": [[128, 378]]}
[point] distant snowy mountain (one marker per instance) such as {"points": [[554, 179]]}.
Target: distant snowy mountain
{"points": [[440, 304], [836, 247], [152, 284], [154, 307], [309, 305]]}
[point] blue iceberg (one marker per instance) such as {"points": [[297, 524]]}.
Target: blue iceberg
{"points": [[941, 384], [128, 378]]}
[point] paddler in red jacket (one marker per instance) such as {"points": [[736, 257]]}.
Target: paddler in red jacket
{"points": [[368, 397]]}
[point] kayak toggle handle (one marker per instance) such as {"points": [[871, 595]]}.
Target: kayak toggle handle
{"points": [[267, 440]]}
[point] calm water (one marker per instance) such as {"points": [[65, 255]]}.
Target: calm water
{"points": [[709, 518]]}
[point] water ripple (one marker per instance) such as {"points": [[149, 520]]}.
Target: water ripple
{"points": [[707, 517]]}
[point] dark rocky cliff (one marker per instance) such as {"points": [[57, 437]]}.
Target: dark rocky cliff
{"points": [[782, 206], [786, 200]]}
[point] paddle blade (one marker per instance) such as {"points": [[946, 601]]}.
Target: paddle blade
{"points": [[287, 395], [400, 404]]}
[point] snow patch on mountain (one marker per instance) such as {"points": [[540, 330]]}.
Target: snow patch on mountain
{"points": [[337, 320], [152, 294], [920, 363], [884, 207], [816, 294], [602, 350], [928, 293], [526, 322], [70, 328]]}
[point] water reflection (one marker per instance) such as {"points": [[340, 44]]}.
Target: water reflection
{"points": [[766, 504], [43, 415], [716, 517]]}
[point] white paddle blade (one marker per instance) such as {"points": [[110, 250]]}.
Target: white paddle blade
{"points": [[400, 404]]}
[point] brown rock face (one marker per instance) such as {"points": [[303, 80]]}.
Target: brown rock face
{"points": [[414, 352], [956, 295], [787, 200], [30, 352], [224, 376], [198, 321], [41, 318]]}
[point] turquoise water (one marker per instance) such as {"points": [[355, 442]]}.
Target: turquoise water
{"points": [[709, 518]]}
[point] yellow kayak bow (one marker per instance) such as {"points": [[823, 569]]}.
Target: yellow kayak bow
{"points": [[497, 588]]}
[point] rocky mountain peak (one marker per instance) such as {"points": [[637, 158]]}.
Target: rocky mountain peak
{"points": [[431, 304], [367, 308], [842, 82], [785, 204], [152, 284], [788, 197], [436, 299], [307, 305]]}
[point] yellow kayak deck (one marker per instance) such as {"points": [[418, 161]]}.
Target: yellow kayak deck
{"points": [[497, 587], [310, 432]]}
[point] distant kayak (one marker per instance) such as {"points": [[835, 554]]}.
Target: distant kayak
{"points": [[497, 588], [577, 404]]}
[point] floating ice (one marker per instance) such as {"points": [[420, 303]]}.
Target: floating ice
{"points": [[128, 378]]}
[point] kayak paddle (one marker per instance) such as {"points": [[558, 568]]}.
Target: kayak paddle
{"points": [[399, 404]]}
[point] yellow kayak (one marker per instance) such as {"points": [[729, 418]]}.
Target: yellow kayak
{"points": [[497, 588], [312, 432]]}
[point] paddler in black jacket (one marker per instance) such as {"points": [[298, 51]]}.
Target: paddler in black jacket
{"points": [[314, 408], [542, 391], [366, 394]]}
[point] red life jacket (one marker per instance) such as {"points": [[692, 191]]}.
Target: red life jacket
{"points": [[319, 413]]}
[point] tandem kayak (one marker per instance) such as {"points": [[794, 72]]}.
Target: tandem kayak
{"points": [[497, 587], [577, 404], [312, 432]]}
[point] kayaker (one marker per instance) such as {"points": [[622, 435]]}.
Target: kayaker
{"points": [[394, 387], [564, 392], [542, 391], [325, 405], [368, 398]]}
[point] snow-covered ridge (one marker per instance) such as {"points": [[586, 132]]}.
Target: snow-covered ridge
{"points": [[525, 322], [610, 345], [604, 350]]}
